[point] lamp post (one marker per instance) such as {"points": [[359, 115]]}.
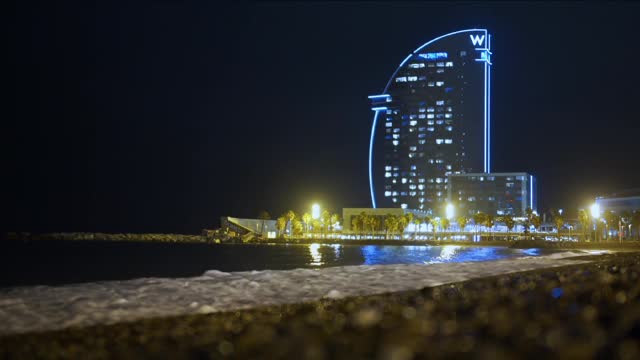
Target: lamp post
{"points": [[595, 215], [315, 211]]}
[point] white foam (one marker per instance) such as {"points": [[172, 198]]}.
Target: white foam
{"points": [[40, 308]]}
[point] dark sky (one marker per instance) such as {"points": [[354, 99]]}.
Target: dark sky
{"points": [[163, 116]]}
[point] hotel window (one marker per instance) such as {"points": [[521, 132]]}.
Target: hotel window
{"points": [[388, 124], [449, 64], [401, 79], [448, 141]]}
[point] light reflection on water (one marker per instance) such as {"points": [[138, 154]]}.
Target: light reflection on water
{"points": [[335, 254]]}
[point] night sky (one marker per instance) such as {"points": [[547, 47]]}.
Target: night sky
{"points": [[163, 116]]}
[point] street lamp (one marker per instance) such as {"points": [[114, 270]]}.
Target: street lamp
{"points": [[315, 211], [595, 211], [449, 211]]}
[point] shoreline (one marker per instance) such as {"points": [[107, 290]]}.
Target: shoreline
{"points": [[549, 311], [199, 239]]}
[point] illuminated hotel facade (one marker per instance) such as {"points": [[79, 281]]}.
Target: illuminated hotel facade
{"points": [[432, 120]]}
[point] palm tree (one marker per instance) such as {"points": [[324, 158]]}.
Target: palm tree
{"points": [[375, 223], [326, 221], [316, 225], [335, 219], [610, 219], [489, 222], [402, 222], [281, 224], [462, 222], [435, 222], [536, 221], [426, 220], [356, 223], [297, 227], [409, 217], [559, 222], [583, 217], [478, 219], [445, 223], [509, 223], [306, 219], [290, 215], [390, 223], [416, 222]]}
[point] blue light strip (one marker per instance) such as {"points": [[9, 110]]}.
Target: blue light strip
{"points": [[486, 162], [380, 108], [378, 96], [489, 107], [373, 131], [489, 110], [531, 192]]}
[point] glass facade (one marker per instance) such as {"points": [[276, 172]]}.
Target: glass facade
{"points": [[492, 193], [431, 120]]}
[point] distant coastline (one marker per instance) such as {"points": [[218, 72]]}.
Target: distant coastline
{"points": [[186, 238]]}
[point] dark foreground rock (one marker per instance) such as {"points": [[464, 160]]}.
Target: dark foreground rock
{"points": [[578, 311]]}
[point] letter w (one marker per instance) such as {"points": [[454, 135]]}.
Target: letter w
{"points": [[477, 40]]}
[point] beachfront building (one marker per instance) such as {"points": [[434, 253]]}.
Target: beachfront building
{"points": [[431, 120], [492, 193]]}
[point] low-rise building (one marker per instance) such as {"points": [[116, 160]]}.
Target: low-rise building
{"points": [[620, 202], [492, 193]]}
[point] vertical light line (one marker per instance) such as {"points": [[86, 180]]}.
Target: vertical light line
{"points": [[373, 131], [489, 117], [531, 192], [485, 118]]}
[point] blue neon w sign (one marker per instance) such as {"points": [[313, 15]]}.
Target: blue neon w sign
{"points": [[477, 40]]}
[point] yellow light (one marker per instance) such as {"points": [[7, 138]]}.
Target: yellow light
{"points": [[315, 211], [450, 211], [595, 211]]}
